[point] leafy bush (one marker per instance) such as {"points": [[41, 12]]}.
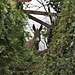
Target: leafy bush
{"points": [[13, 53], [61, 59]]}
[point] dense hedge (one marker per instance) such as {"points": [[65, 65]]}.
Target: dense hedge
{"points": [[61, 59], [12, 40], [14, 57]]}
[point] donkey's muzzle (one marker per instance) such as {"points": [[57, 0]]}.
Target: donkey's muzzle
{"points": [[37, 39]]}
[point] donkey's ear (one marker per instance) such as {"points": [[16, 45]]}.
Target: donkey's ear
{"points": [[34, 27], [40, 28]]}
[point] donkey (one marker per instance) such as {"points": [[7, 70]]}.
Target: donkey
{"points": [[36, 39]]}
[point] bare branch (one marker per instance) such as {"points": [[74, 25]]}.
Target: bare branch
{"points": [[42, 4], [41, 22], [39, 8], [49, 15], [42, 13], [39, 1]]}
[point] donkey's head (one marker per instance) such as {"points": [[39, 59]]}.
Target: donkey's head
{"points": [[37, 34]]}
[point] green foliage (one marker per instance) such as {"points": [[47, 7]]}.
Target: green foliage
{"points": [[55, 4], [13, 53], [61, 58], [14, 57]]}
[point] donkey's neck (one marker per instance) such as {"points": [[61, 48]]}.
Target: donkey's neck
{"points": [[36, 44], [32, 43]]}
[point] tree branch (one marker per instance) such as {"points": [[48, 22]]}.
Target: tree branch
{"points": [[42, 13], [41, 22]]}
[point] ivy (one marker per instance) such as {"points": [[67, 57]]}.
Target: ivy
{"points": [[12, 40], [61, 58]]}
